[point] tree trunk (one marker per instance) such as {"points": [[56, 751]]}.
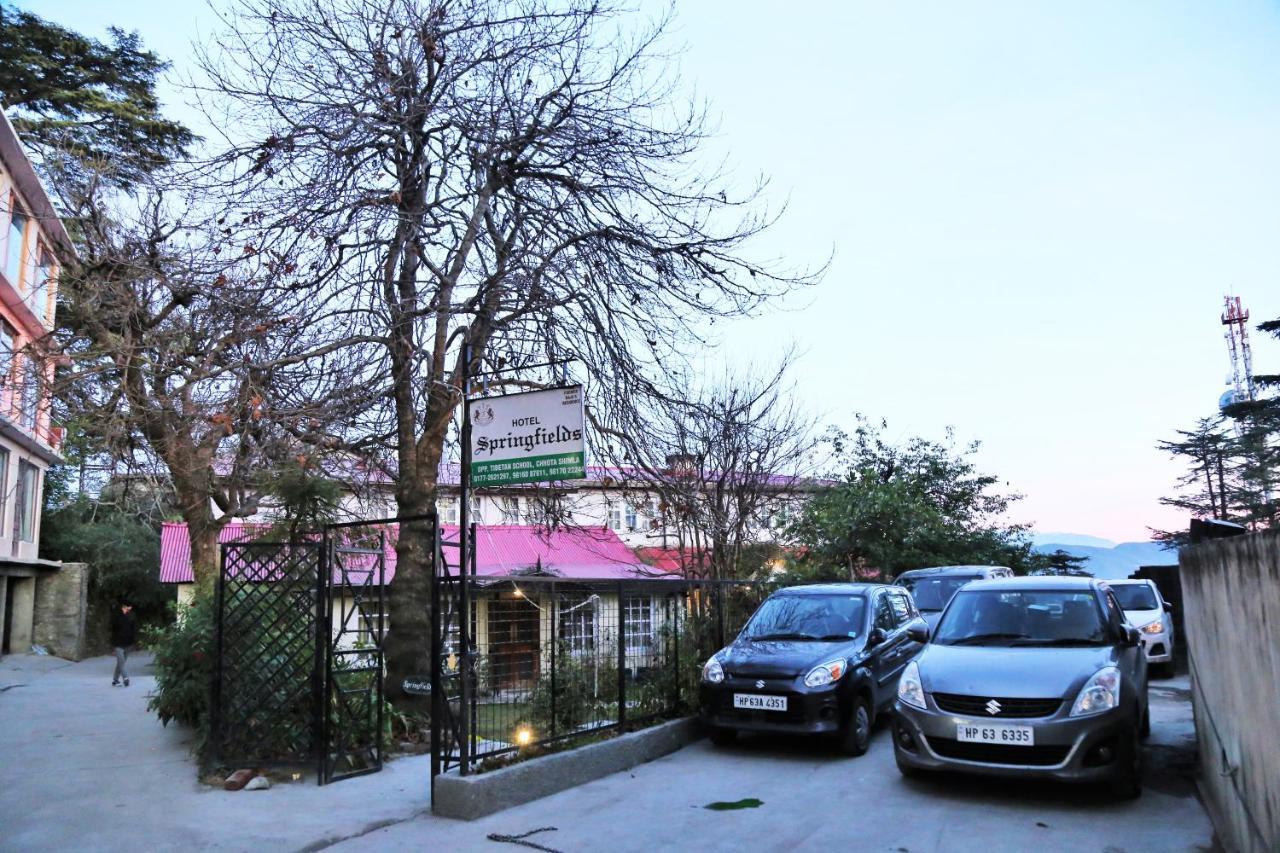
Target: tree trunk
{"points": [[202, 533], [408, 642]]}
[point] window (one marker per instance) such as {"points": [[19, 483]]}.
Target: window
{"points": [[810, 616], [510, 508], [578, 623], [1028, 617], [884, 614], [1115, 615], [901, 608], [637, 623], [615, 517], [28, 490], [30, 391], [41, 275], [6, 354], [631, 517], [474, 514], [4, 482], [1135, 596], [448, 509], [13, 247]]}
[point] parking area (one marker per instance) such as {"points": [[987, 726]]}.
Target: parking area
{"points": [[813, 800]]}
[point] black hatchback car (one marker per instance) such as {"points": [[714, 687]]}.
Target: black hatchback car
{"points": [[821, 659]]}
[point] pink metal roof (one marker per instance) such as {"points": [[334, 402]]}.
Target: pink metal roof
{"points": [[502, 550]]}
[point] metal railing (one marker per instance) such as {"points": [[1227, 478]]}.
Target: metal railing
{"points": [[558, 662]]}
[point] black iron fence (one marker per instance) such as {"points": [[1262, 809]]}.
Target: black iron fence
{"points": [[559, 661]]}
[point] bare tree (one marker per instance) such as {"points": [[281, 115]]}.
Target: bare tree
{"points": [[727, 463], [518, 175], [188, 355]]}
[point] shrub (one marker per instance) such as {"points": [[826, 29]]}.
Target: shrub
{"points": [[184, 667], [586, 691]]}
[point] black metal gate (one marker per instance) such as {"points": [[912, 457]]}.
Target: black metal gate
{"points": [[452, 658], [352, 718], [267, 674], [299, 670]]}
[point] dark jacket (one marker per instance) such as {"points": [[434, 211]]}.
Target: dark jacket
{"points": [[124, 629]]}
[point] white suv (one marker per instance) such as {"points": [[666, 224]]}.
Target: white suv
{"points": [[1147, 611]]}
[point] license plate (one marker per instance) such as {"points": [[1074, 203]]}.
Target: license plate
{"points": [[759, 703], [1003, 735]]}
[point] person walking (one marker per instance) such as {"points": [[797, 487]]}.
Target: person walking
{"points": [[124, 633]]}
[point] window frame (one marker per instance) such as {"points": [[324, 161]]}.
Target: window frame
{"points": [[4, 484], [883, 603], [27, 508], [576, 623], [638, 624], [15, 212]]}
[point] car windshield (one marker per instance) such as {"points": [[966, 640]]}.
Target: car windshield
{"points": [[934, 593], [1022, 618], [1135, 596], [807, 617]]}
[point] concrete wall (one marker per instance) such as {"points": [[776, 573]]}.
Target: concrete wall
{"points": [[61, 611], [1231, 592], [23, 591]]}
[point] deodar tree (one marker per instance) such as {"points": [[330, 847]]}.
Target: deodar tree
{"points": [[81, 102], [521, 176]]}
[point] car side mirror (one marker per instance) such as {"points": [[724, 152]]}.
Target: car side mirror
{"points": [[1131, 636], [1168, 608], [875, 638], [918, 630]]}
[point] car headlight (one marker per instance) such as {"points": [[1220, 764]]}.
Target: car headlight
{"points": [[910, 690], [826, 673], [1156, 627], [712, 672], [1100, 693]]}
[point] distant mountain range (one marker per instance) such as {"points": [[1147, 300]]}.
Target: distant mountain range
{"points": [[1106, 559]]}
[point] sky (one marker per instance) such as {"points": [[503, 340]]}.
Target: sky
{"points": [[1033, 211]]}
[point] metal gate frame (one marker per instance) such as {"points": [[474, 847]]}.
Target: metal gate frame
{"points": [[351, 713], [452, 659], [266, 667], [311, 598]]}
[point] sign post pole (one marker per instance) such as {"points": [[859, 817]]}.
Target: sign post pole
{"points": [[465, 659]]}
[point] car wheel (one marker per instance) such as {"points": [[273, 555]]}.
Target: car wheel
{"points": [[723, 737], [1127, 781], [855, 734]]}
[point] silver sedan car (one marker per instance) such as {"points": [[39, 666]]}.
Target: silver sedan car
{"points": [[1028, 677]]}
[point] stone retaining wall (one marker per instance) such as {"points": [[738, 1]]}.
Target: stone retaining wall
{"points": [[61, 611]]}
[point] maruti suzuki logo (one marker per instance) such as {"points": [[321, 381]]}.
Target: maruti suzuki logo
{"points": [[759, 684], [993, 707]]}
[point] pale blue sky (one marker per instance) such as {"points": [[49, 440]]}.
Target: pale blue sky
{"points": [[1035, 210]]}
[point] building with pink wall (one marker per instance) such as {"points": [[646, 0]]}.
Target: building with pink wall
{"points": [[33, 241]]}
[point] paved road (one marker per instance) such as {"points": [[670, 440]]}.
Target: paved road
{"points": [[83, 766]]}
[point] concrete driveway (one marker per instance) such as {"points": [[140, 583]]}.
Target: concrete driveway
{"points": [[84, 766], [814, 801]]}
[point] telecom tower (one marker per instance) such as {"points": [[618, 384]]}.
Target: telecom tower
{"points": [[1236, 321]]}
